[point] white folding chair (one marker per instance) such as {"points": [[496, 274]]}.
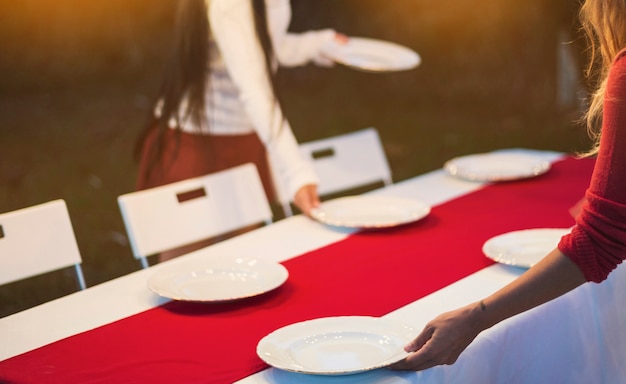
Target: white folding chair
{"points": [[342, 163], [37, 240], [174, 215]]}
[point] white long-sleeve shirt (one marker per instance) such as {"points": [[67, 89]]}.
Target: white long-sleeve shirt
{"points": [[240, 99]]}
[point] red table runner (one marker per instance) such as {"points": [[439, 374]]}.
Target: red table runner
{"points": [[369, 273]]}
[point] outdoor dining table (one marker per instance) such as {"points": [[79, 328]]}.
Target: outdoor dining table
{"points": [[121, 332]]}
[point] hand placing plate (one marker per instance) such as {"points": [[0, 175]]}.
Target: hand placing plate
{"points": [[217, 280], [497, 166], [523, 248], [372, 55], [336, 345], [369, 211]]}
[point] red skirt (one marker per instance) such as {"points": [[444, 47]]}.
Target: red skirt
{"points": [[187, 155]]}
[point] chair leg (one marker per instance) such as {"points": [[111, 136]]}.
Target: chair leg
{"points": [[287, 209], [80, 277]]}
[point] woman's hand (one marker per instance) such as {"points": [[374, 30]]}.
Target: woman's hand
{"points": [[442, 340], [307, 198], [326, 61], [340, 38]]}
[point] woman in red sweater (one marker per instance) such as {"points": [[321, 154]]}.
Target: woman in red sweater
{"points": [[595, 246]]}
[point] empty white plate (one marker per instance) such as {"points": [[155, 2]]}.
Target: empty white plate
{"points": [[336, 345], [370, 211], [217, 280], [373, 55], [523, 248], [497, 166]]}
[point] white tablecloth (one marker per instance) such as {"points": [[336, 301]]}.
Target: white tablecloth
{"points": [[578, 338]]}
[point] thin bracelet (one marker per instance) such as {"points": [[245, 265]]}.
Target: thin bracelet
{"points": [[482, 305]]}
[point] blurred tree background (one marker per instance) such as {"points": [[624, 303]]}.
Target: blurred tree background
{"points": [[79, 77]]}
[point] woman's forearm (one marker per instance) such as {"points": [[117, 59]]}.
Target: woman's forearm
{"points": [[553, 276]]}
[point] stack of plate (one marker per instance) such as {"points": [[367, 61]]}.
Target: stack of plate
{"points": [[372, 55], [497, 166], [218, 280], [336, 345], [370, 211], [523, 248]]}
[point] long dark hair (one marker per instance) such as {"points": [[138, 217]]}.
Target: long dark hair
{"points": [[187, 70]]}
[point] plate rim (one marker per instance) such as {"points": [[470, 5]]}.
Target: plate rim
{"points": [[423, 208], [502, 260], [541, 166], [349, 319], [282, 274]]}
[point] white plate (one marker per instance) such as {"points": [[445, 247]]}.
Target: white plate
{"points": [[497, 166], [217, 280], [369, 211], [523, 248], [336, 345], [373, 55]]}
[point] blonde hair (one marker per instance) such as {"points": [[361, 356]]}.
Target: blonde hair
{"points": [[604, 22]]}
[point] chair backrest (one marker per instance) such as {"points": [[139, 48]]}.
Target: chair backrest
{"points": [[178, 214], [343, 162], [37, 240]]}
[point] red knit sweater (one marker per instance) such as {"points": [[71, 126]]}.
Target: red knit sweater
{"points": [[597, 244]]}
